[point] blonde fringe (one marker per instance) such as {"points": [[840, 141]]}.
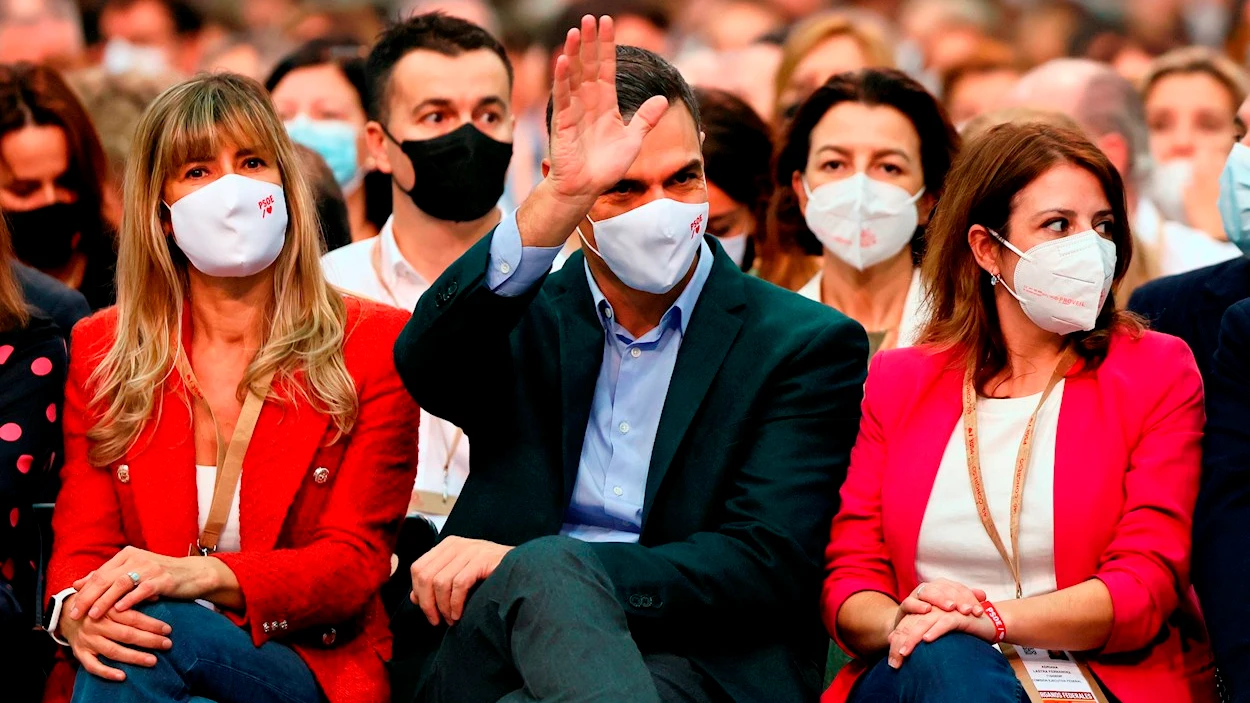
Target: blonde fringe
{"points": [[308, 318]]}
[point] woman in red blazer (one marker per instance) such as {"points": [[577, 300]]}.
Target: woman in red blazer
{"points": [[239, 447], [1028, 474]]}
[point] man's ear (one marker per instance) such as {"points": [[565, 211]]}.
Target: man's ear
{"points": [[546, 166], [375, 142]]}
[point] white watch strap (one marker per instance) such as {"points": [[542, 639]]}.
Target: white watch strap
{"points": [[54, 623]]}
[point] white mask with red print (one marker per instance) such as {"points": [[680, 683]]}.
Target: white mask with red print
{"points": [[651, 248], [231, 228], [862, 221]]}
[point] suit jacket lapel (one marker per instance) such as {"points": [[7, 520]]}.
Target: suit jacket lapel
{"points": [[581, 354], [709, 336], [278, 461]]}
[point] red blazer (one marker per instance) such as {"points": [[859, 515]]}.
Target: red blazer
{"points": [[313, 553], [1127, 464]]}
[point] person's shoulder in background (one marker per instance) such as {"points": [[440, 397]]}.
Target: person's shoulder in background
{"points": [[1165, 300], [64, 305]]}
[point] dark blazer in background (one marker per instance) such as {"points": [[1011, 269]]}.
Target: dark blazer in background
{"points": [[1191, 305], [1221, 558], [753, 443], [64, 305]]}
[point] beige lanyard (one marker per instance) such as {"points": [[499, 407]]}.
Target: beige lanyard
{"points": [[1012, 560], [229, 457]]}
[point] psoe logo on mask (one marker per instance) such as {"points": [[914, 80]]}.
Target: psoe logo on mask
{"points": [[694, 226], [266, 207]]}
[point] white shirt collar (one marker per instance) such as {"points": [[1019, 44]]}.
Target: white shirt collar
{"points": [[393, 264]]}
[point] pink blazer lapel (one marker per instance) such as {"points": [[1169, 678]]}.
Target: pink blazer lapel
{"points": [[278, 461], [161, 470], [913, 465]]}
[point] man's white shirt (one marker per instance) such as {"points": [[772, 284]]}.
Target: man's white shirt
{"points": [[375, 269]]}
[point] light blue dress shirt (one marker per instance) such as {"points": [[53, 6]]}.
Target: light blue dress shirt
{"points": [[629, 394]]}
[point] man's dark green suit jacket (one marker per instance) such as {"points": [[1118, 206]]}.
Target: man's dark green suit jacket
{"points": [[753, 445]]}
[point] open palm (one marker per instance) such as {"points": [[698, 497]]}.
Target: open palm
{"points": [[591, 145]]}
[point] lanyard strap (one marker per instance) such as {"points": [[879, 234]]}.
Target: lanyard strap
{"points": [[971, 445], [229, 457]]}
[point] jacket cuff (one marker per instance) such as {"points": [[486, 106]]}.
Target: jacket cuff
{"points": [[1134, 622]]}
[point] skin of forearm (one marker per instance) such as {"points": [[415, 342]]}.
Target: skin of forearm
{"points": [[1077, 618], [865, 622]]}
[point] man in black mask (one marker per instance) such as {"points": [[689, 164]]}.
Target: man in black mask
{"points": [[441, 125]]}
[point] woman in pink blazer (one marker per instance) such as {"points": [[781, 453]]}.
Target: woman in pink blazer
{"points": [[1027, 474]]}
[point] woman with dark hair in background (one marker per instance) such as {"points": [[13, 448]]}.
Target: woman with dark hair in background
{"points": [[53, 177], [860, 168], [320, 92], [737, 154]]}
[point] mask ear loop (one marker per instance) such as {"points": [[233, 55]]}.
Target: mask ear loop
{"points": [[586, 242], [996, 279]]}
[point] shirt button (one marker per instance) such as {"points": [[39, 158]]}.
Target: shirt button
{"points": [[505, 267], [635, 352], [608, 313], [624, 428], [617, 490]]}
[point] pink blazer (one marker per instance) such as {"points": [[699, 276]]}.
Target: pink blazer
{"points": [[1127, 465]]}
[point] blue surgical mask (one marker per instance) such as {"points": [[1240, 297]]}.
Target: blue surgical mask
{"points": [[1235, 197], [334, 141]]}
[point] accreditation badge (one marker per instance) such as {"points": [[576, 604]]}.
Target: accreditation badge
{"points": [[1052, 676]]}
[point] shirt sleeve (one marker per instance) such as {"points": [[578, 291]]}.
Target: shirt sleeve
{"points": [[513, 268]]}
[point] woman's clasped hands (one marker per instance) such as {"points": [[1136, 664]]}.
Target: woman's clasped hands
{"points": [[100, 620], [934, 609]]}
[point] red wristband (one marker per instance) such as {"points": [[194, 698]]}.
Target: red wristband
{"points": [[1000, 629]]}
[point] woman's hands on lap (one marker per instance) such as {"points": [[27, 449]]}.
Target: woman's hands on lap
{"points": [[116, 635], [111, 588], [934, 609]]}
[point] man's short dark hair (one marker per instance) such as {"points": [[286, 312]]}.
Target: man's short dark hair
{"points": [[433, 31], [641, 75]]}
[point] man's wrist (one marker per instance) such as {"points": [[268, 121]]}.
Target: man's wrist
{"points": [[547, 217]]}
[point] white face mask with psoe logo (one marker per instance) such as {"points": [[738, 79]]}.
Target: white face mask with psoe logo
{"points": [[1062, 284], [650, 248], [861, 220], [231, 228]]}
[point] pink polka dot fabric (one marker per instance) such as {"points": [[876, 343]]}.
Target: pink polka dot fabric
{"points": [[51, 413], [10, 432], [24, 462], [41, 366], [5, 352]]}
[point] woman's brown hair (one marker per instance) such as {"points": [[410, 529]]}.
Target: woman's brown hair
{"points": [[35, 95], [13, 313], [981, 189]]}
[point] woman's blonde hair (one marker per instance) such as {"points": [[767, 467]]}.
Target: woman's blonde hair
{"points": [[304, 329], [816, 30], [1199, 59]]}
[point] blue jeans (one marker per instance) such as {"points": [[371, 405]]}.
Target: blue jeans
{"points": [[956, 668], [211, 658]]}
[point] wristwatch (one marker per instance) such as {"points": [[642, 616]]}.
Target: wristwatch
{"points": [[52, 614]]}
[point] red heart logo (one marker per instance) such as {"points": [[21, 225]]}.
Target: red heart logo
{"points": [[269, 210]]}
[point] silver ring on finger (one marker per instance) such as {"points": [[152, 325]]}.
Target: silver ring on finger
{"points": [[134, 578]]}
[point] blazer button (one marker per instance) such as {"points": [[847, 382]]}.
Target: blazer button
{"points": [[635, 600], [646, 601], [123, 473], [321, 475], [265, 627], [329, 636]]}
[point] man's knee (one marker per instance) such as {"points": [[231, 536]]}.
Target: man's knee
{"points": [[549, 560]]}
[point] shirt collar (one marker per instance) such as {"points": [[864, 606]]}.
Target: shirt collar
{"points": [[679, 313], [393, 263]]}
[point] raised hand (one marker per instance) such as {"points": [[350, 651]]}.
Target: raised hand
{"points": [[592, 147]]}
